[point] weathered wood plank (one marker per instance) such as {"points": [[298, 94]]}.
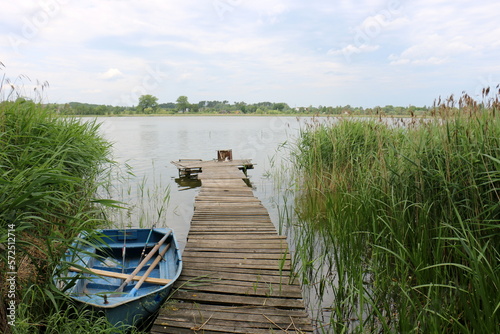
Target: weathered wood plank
{"points": [[236, 250], [256, 290], [249, 243], [248, 322], [238, 227], [245, 276], [230, 255], [243, 267], [243, 223], [209, 329], [239, 263], [181, 313], [190, 282], [229, 299], [239, 238], [241, 309], [229, 271]]}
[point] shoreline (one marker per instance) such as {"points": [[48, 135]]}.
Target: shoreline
{"points": [[249, 115]]}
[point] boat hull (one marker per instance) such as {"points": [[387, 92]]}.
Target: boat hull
{"points": [[119, 253]]}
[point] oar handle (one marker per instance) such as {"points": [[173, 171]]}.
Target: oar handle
{"points": [[153, 265], [143, 262]]}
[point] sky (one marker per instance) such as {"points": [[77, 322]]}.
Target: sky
{"points": [[305, 53]]}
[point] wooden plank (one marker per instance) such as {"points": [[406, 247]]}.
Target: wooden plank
{"points": [[234, 270], [204, 227], [191, 253], [210, 329], [227, 199], [238, 263], [249, 243], [248, 289], [254, 276], [238, 279], [239, 310], [237, 250], [260, 317], [233, 264], [247, 224], [227, 321], [247, 207], [221, 241], [226, 219], [238, 237], [231, 219], [224, 230], [225, 191], [220, 299]]}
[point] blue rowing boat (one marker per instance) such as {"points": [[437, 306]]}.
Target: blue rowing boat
{"points": [[124, 274]]}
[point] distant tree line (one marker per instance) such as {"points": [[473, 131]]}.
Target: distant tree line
{"points": [[148, 104]]}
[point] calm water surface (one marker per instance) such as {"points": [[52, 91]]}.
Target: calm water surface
{"points": [[149, 144]]}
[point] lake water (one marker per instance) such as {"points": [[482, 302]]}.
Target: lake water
{"points": [[149, 144]]}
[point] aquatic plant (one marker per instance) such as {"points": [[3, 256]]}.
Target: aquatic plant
{"points": [[49, 172], [407, 214]]}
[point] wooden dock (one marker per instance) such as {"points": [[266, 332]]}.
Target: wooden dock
{"points": [[236, 276], [213, 169]]}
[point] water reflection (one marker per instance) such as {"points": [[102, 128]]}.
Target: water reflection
{"points": [[185, 183]]}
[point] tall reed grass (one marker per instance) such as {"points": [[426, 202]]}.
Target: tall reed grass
{"points": [[49, 167], [401, 220], [145, 199]]}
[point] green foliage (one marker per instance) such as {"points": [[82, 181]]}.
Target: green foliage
{"points": [[148, 104], [49, 173], [76, 108], [182, 103], [66, 319], [408, 215]]}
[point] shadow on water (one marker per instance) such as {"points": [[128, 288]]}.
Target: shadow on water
{"points": [[186, 183]]}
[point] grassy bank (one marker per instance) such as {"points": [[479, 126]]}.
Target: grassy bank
{"points": [[401, 221], [49, 172]]}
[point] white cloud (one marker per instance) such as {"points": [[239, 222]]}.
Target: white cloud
{"points": [[448, 31], [112, 73], [350, 49], [269, 47], [433, 50]]}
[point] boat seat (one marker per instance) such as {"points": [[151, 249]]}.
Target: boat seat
{"points": [[132, 245]]}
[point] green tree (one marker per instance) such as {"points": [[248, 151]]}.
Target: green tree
{"points": [[182, 103], [147, 104], [194, 107], [279, 106], [241, 106]]}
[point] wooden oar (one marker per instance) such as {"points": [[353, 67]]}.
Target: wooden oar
{"points": [[106, 273], [146, 259], [153, 265]]}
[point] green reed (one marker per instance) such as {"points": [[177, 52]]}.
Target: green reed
{"points": [[408, 215], [49, 172], [144, 200]]}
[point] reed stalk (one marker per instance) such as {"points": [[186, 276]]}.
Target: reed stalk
{"points": [[408, 213]]}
